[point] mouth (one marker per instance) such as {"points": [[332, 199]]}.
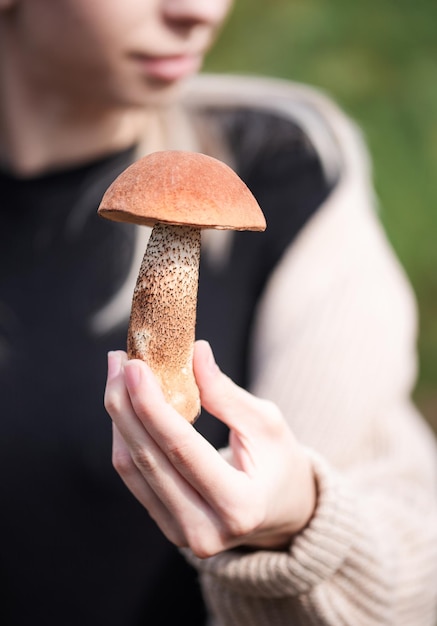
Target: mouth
{"points": [[169, 68]]}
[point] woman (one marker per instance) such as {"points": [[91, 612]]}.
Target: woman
{"points": [[322, 509]]}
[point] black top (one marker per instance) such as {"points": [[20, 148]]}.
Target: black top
{"points": [[76, 548]]}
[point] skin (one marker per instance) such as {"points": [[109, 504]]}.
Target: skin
{"points": [[62, 105]]}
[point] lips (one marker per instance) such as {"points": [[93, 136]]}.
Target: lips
{"points": [[169, 68]]}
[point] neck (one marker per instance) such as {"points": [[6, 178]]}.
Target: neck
{"points": [[36, 136], [30, 146]]}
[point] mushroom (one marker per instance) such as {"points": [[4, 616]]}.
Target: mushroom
{"points": [[177, 193]]}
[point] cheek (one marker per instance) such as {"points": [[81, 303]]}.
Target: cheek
{"points": [[111, 23], [226, 7], [69, 43], [76, 28]]}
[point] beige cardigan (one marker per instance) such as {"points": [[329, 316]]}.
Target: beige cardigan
{"points": [[335, 348]]}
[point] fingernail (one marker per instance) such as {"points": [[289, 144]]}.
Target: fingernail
{"points": [[114, 365], [133, 374]]}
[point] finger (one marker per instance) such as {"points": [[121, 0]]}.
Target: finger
{"points": [[190, 512], [182, 516], [122, 375], [117, 401], [221, 397], [134, 481], [145, 453], [192, 456]]}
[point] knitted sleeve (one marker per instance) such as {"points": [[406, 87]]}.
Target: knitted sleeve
{"points": [[335, 349]]}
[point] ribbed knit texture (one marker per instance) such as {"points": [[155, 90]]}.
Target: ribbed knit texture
{"points": [[335, 349]]}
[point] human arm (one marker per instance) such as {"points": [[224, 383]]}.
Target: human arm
{"points": [[335, 350]]}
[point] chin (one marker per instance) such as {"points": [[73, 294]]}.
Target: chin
{"points": [[164, 92], [156, 93]]}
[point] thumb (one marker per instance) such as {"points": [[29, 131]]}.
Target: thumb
{"points": [[219, 395]]}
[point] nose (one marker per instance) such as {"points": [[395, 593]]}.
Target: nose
{"points": [[187, 13]]}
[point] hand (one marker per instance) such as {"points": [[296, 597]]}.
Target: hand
{"points": [[258, 492]]}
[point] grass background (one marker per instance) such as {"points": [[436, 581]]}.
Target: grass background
{"points": [[378, 60]]}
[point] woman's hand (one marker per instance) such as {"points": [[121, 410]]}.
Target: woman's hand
{"points": [[258, 492]]}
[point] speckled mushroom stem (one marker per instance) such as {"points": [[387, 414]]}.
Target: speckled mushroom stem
{"points": [[163, 316]]}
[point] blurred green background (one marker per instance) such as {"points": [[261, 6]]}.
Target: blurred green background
{"points": [[378, 60]]}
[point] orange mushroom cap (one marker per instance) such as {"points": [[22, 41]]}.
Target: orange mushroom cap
{"points": [[182, 188]]}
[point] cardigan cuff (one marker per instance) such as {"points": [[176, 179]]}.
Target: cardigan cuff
{"points": [[315, 554]]}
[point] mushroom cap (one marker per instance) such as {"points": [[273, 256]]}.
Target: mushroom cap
{"points": [[182, 188]]}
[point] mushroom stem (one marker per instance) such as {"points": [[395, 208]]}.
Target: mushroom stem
{"points": [[163, 316]]}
